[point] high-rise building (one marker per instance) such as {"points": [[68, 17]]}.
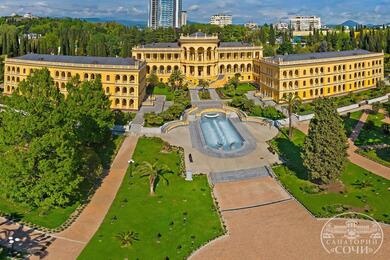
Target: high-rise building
{"points": [[165, 13], [153, 13], [221, 19], [305, 23], [184, 18], [178, 7]]}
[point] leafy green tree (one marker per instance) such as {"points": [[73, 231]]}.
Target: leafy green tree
{"points": [[89, 110], [155, 172], [41, 162], [293, 101], [325, 148]]}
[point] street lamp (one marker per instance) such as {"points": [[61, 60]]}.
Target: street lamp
{"points": [[131, 162]]}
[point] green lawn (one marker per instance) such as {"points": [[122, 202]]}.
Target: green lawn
{"points": [[360, 190], [240, 90], [351, 121], [54, 217], [163, 90], [372, 132], [170, 225], [381, 156]]}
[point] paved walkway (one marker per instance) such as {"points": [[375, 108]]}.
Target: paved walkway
{"points": [[251, 96], [70, 243], [32, 241], [264, 222], [213, 94], [194, 95]]}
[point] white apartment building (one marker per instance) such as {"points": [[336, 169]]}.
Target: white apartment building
{"points": [[221, 19], [305, 23]]}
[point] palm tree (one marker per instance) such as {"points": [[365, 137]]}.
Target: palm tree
{"points": [[204, 84], [176, 79], [293, 101], [154, 172], [127, 238]]}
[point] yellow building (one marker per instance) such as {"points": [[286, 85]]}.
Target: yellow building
{"points": [[200, 56], [318, 74], [123, 79]]}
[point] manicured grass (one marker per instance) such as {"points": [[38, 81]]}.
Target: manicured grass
{"points": [[52, 218], [372, 132], [351, 121], [170, 225], [381, 156], [241, 89], [361, 190], [163, 90]]}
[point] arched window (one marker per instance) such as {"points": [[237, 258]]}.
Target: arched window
{"points": [[132, 78], [117, 78], [124, 102], [63, 75], [131, 91], [69, 75], [124, 90], [107, 90], [85, 75], [124, 78], [108, 78], [117, 90], [117, 102], [131, 103]]}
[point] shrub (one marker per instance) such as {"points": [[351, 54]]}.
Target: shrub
{"points": [[386, 128], [369, 125], [204, 94], [152, 119], [375, 107]]}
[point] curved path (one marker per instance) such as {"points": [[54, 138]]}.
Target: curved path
{"points": [[360, 160], [70, 242]]}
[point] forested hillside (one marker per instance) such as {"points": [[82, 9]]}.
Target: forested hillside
{"points": [[77, 37]]}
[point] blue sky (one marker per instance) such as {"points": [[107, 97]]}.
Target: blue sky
{"points": [[331, 11]]}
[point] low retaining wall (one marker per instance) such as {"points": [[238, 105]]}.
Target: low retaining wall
{"points": [[348, 108]]}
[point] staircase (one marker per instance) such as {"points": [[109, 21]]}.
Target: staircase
{"points": [[219, 82], [244, 174]]}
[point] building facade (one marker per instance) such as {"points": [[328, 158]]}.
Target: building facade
{"points": [[221, 19], [305, 23], [165, 13], [318, 74], [123, 79], [200, 56]]}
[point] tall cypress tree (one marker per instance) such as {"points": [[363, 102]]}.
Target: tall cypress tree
{"points": [[325, 148]]}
